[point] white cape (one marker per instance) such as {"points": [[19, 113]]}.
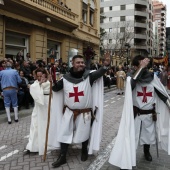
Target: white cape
{"points": [[57, 112], [123, 153]]}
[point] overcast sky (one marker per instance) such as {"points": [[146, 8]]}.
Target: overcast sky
{"points": [[167, 2]]}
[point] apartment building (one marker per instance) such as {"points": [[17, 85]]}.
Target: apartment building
{"points": [[131, 19], [168, 42], [48, 27], [159, 16]]}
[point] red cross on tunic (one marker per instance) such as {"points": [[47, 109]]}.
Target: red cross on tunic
{"points": [[144, 94], [76, 94]]}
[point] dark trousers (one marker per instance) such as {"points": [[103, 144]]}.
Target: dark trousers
{"points": [[64, 147]]}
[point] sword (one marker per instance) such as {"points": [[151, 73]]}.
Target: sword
{"points": [[154, 117], [156, 139]]}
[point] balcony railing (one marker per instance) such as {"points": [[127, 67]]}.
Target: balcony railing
{"points": [[53, 7]]}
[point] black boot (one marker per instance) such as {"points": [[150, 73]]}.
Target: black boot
{"points": [[147, 154], [84, 151], [60, 161], [62, 157]]}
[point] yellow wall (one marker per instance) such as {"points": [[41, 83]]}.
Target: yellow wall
{"points": [[39, 32]]}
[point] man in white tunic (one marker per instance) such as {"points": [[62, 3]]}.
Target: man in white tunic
{"points": [[79, 108], [145, 97], [39, 90]]}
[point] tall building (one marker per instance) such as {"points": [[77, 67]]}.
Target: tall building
{"points": [[128, 22], [46, 28], [168, 42], [159, 16]]}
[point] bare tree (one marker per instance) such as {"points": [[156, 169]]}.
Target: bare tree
{"points": [[120, 34]]}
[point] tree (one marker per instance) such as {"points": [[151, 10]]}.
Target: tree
{"points": [[120, 34]]}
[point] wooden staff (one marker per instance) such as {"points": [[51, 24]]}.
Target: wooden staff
{"points": [[48, 122]]}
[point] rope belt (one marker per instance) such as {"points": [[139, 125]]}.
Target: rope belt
{"points": [[139, 112], [77, 112]]}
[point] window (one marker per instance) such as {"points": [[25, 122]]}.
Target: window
{"points": [[110, 41], [110, 8], [91, 17], [110, 29], [122, 7], [53, 49], [16, 43], [110, 18], [122, 29], [122, 18], [84, 13]]}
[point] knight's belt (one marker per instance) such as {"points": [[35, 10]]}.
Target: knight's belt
{"points": [[77, 112], [142, 112], [139, 112]]}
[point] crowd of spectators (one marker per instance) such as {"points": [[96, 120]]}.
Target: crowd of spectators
{"points": [[26, 70]]}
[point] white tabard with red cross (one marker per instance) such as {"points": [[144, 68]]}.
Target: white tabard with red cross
{"points": [[143, 96], [76, 96]]}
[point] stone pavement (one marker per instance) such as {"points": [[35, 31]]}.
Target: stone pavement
{"points": [[14, 137], [161, 163]]}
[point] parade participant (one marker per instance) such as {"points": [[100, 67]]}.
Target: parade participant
{"points": [[39, 90], [145, 96], [9, 79], [82, 92], [120, 80], [164, 77]]}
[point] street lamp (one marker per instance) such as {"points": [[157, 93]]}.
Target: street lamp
{"points": [[128, 50]]}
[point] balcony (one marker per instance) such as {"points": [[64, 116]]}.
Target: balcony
{"points": [[37, 9], [162, 19], [140, 35], [162, 13], [141, 14], [140, 24], [162, 23], [141, 2], [140, 46]]}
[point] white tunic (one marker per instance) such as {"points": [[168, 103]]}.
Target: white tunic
{"points": [[76, 96], [95, 96], [144, 98], [39, 117]]}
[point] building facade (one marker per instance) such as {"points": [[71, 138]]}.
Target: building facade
{"points": [[46, 28], [159, 16], [132, 21], [168, 42]]}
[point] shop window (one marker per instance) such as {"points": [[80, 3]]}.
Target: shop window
{"points": [[15, 44], [53, 51]]}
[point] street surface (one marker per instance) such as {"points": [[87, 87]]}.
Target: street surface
{"points": [[14, 137]]}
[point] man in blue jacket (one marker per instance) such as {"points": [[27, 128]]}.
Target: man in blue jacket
{"points": [[9, 79]]}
